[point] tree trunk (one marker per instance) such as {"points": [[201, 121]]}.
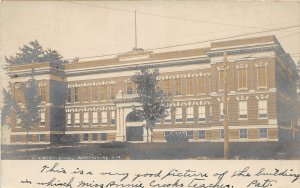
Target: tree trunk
{"points": [[2, 139], [147, 135], [27, 140]]}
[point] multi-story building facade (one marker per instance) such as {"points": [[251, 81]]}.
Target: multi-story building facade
{"points": [[94, 100]]}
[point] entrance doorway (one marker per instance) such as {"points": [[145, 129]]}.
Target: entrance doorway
{"points": [[134, 133], [134, 128]]}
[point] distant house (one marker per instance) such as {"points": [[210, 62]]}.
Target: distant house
{"points": [[100, 95]]}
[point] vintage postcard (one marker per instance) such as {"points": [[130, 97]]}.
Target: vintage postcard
{"points": [[105, 84]]}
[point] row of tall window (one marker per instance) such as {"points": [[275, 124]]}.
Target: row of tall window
{"points": [[200, 112], [40, 138], [202, 134], [91, 118], [242, 77], [243, 109], [41, 93], [185, 86], [92, 93], [192, 113]]}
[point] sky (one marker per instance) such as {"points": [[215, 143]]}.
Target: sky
{"points": [[84, 28], [87, 29]]}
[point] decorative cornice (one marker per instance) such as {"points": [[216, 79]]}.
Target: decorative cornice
{"points": [[59, 73], [139, 67], [89, 84], [90, 109], [242, 50]]}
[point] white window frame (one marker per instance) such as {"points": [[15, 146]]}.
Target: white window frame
{"points": [[76, 119], [94, 137], [69, 119], [40, 138], [201, 113], [190, 135], [266, 135], [263, 109], [168, 118], [190, 113], [83, 138], [86, 117], [243, 109], [178, 115], [95, 118], [222, 134], [43, 118], [242, 133], [257, 78], [113, 117], [221, 107], [199, 137], [239, 79], [104, 117]]}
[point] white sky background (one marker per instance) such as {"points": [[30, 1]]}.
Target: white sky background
{"points": [[84, 29]]}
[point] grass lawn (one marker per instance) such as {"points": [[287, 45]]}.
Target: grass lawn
{"points": [[157, 151]]}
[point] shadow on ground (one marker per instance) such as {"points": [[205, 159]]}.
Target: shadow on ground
{"points": [[152, 151]]}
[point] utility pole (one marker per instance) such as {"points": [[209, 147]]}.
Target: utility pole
{"points": [[225, 109]]}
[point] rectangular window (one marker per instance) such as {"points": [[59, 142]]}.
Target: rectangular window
{"points": [[201, 113], [261, 77], [178, 87], [242, 78], [179, 114], [168, 117], [85, 118], [85, 137], [41, 137], [112, 92], [221, 110], [113, 117], [129, 88], [94, 93], [95, 117], [201, 84], [222, 133], [221, 79], [69, 95], [167, 134], [69, 120], [104, 117], [18, 138], [262, 109], [202, 134], [263, 133], [189, 86], [84, 94], [243, 112], [94, 136], [42, 93], [102, 92], [190, 113], [189, 134], [76, 94], [103, 136], [43, 117], [76, 119], [243, 133], [167, 87], [29, 137]]}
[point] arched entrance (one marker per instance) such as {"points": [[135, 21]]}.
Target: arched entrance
{"points": [[134, 128]]}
